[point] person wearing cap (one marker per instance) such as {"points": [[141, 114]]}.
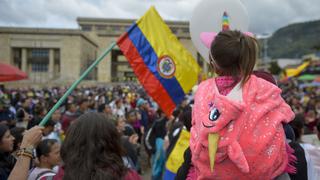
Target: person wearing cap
{"points": [[143, 110]]}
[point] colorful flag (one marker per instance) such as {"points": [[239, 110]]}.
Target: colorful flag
{"points": [[163, 66]]}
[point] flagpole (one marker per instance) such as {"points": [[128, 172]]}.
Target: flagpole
{"points": [[75, 84]]}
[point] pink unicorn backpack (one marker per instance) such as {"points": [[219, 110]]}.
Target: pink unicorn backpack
{"points": [[248, 122]]}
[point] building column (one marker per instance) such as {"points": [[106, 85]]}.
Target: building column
{"points": [[51, 64], [24, 60]]}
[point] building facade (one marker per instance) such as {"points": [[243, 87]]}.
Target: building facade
{"points": [[59, 56]]}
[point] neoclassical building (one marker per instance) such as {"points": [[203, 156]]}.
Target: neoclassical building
{"points": [[59, 56]]}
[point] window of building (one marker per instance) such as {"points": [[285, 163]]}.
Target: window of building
{"points": [[185, 30], [39, 67], [93, 75], [116, 28], [17, 57], [56, 61], [101, 27], [39, 59], [86, 27], [39, 53], [174, 30]]}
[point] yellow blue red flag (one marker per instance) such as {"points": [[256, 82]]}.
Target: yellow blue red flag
{"points": [[166, 70]]}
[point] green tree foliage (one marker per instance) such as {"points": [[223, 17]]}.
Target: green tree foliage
{"points": [[295, 40]]}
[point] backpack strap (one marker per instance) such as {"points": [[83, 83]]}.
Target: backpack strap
{"points": [[44, 173]]}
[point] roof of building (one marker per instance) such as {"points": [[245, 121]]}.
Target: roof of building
{"points": [[46, 31]]}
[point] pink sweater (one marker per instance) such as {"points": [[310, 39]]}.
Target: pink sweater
{"points": [[252, 141]]}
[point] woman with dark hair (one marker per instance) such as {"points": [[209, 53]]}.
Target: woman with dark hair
{"points": [[17, 133], [92, 150], [7, 161]]}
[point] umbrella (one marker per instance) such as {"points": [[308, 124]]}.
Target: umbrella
{"points": [[307, 77], [11, 73]]}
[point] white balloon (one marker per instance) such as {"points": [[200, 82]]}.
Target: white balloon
{"points": [[207, 17]]}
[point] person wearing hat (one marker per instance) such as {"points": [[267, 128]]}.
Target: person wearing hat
{"points": [[143, 110]]}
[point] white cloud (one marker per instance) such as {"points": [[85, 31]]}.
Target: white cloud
{"points": [[265, 15]]}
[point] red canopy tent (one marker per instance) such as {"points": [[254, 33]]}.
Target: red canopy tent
{"points": [[11, 73]]}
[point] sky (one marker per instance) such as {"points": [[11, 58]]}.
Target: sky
{"points": [[265, 16]]}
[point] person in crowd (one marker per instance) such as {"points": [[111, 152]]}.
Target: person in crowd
{"points": [[24, 113], [219, 116], [107, 110], [83, 106], [17, 133], [129, 143], [176, 157], [118, 108], [7, 117], [7, 161], [145, 119], [143, 112], [154, 141], [48, 128], [96, 140], [69, 116], [298, 126], [39, 113], [31, 138], [48, 154], [132, 125], [293, 137], [173, 128], [57, 132], [311, 121]]}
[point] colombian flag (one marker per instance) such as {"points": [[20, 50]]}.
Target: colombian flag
{"points": [[166, 70]]}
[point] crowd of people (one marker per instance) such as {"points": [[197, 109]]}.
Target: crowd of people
{"points": [[127, 107], [139, 123], [238, 124], [304, 101]]}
